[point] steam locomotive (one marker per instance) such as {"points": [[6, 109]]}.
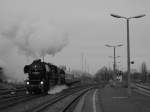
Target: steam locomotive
{"points": [[42, 76]]}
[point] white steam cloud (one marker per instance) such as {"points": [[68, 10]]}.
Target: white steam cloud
{"points": [[57, 89], [25, 38], [36, 39]]}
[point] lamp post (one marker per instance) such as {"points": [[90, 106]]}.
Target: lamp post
{"points": [[114, 47], [128, 45], [114, 68]]}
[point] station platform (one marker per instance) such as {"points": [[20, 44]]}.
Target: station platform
{"points": [[116, 99]]}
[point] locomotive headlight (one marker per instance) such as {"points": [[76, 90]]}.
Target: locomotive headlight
{"points": [[42, 82], [28, 83]]}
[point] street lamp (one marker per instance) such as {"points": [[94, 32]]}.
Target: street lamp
{"points": [[114, 63], [128, 45], [114, 47]]}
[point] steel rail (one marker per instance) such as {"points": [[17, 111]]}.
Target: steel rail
{"points": [[54, 100], [142, 89], [16, 100]]}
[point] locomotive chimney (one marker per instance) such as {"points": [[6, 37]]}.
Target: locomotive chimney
{"points": [[43, 58]]}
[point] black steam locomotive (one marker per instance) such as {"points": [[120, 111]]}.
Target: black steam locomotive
{"points": [[42, 76]]}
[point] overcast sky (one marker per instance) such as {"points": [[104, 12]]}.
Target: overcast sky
{"points": [[85, 26]]}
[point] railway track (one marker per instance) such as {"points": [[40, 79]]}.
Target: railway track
{"points": [[70, 107], [4, 91], [9, 98], [38, 103], [53, 101], [12, 101], [140, 88], [72, 104], [76, 93], [11, 93]]}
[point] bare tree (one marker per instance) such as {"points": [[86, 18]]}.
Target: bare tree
{"points": [[103, 74]]}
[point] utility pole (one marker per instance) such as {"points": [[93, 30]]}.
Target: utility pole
{"points": [[114, 60], [82, 60], [128, 45], [85, 64]]}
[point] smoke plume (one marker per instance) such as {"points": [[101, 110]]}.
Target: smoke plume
{"points": [[23, 39], [57, 89]]}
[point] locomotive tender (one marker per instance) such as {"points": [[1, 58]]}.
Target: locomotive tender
{"points": [[42, 76]]}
